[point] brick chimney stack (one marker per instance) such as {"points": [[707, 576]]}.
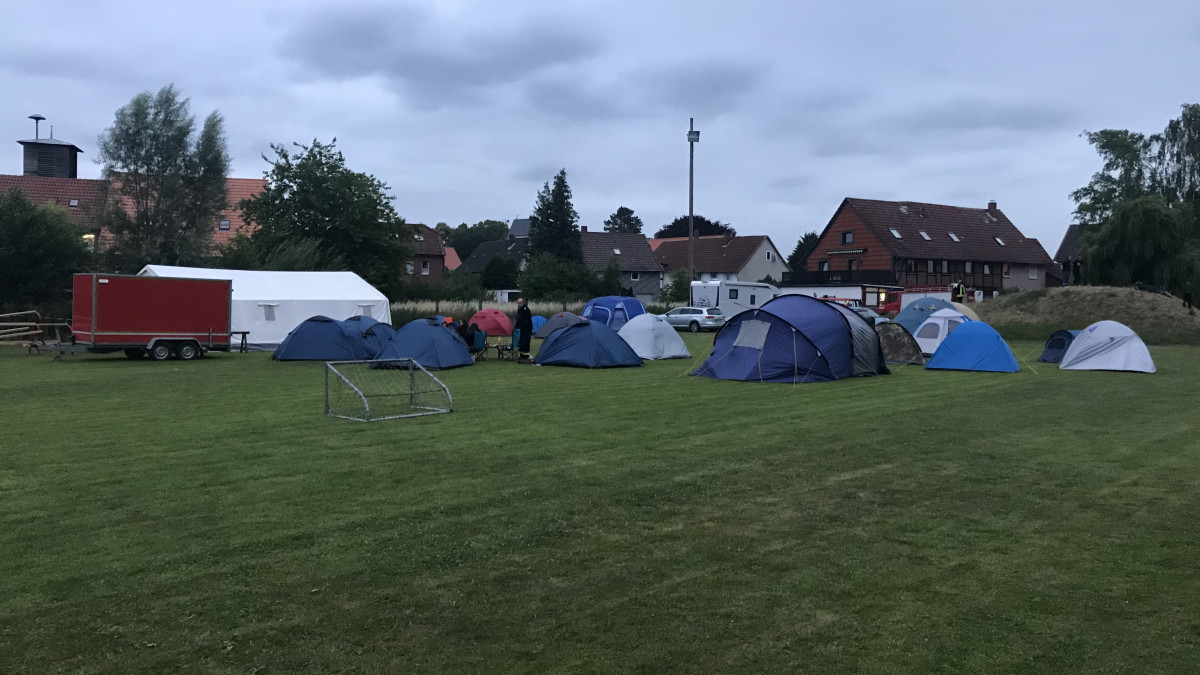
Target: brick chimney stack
{"points": [[992, 207]]}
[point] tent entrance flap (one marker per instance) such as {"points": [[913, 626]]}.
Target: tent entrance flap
{"points": [[752, 334]]}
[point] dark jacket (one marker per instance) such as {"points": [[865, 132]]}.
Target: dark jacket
{"points": [[524, 321]]}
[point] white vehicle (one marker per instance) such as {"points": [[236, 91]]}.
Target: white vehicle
{"points": [[732, 296]]}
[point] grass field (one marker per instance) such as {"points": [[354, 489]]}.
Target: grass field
{"points": [[206, 517]]}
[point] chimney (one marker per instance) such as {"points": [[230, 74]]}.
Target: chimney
{"points": [[992, 207], [583, 228]]}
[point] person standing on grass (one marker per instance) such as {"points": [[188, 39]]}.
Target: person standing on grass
{"points": [[960, 292], [525, 325]]}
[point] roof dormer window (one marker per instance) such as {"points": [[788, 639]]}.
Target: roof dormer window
{"points": [[895, 233], [616, 251], [73, 203], [925, 236], [953, 236]]}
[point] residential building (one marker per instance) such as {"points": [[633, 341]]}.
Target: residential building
{"points": [[723, 257], [511, 248], [915, 244], [428, 263], [1067, 256], [641, 272]]}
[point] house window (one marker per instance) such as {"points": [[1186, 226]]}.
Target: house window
{"points": [[408, 267], [894, 233], [822, 265], [929, 266], [1033, 271], [733, 293], [847, 237], [268, 310], [999, 240], [223, 225], [945, 267], [616, 251], [89, 241], [987, 269], [1006, 271], [73, 203], [635, 276], [968, 267], [925, 235], [953, 236], [419, 237], [425, 267], [852, 264], [910, 265], [770, 256]]}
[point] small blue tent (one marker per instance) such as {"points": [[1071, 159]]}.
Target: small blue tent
{"points": [[320, 338], [974, 346], [538, 322], [1057, 345], [613, 310], [795, 338], [429, 343], [587, 345], [912, 316], [373, 334]]}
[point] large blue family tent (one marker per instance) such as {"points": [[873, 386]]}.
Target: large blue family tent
{"points": [[373, 334], [586, 345], [1057, 345], [613, 310], [912, 316], [974, 346], [428, 342], [320, 338], [795, 338]]}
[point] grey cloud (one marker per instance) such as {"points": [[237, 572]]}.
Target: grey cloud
{"points": [[396, 44], [707, 88], [968, 115]]}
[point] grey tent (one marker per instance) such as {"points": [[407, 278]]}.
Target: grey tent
{"points": [[560, 320], [899, 346], [1057, 345]]}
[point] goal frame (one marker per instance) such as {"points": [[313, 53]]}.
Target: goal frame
{"points": [[412, 367]]}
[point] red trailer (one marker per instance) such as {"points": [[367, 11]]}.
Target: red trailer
{"points": [[163, 317]]}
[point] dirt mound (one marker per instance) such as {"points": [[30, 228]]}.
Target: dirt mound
{"points": [[1033, 315]]}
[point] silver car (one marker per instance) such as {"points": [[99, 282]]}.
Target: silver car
{"points": [[696, 319]]}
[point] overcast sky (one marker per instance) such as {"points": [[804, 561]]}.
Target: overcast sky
{"points": [[465, 108]]}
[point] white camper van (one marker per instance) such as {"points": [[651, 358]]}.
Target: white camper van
{"points": [[732, 296]]}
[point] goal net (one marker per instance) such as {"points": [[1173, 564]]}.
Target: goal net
{"points": [[383, 390]]}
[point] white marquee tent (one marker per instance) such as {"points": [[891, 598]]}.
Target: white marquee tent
{"points": [[651, 337], [270, 304], [1107, 345]]}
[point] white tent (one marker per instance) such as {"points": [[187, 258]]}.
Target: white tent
{"points": [[1107, 345], [270, 304], [651, 337], [936, 327]]}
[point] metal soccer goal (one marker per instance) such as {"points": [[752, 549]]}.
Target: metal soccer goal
{"points": [[385, 389]]}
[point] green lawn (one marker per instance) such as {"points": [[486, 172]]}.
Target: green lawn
{"points": [[207, 517]]}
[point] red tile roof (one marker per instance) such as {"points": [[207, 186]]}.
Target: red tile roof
{"points": [[238, 189], [87, 193], [452, 260], [979, 232], [716, 254]]}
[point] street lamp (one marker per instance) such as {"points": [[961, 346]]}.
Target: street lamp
{"points": [[693, 139]]}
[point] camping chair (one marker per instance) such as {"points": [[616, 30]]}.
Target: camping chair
{"points": [[479, 345], [509, 351]]}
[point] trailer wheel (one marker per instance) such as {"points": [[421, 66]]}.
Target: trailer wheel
{"points": [[135, 353], [187, 351], [694, 327], [161, 351]]}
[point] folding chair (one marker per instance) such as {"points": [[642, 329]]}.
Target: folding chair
{"points": [[479, 345], [509, 351]]}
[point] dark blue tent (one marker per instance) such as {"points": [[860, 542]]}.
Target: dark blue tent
{"points": [[795, 338], [1057, 345], [613, 310], [320, 338], [974, 346], [373, 334], [429, 343], [912, 316], [587, 345]]}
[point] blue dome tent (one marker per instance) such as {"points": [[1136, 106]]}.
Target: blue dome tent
{"points": [[912, 316], [429, 343], [373, 334], [613, 310], [586, 345], [1057, 344], [320, 338], [795, 338], [974, 346], [538, 322]]}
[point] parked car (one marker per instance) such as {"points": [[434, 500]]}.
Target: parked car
{"points": [[869, 314], [696, 319]]}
